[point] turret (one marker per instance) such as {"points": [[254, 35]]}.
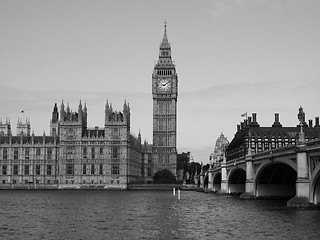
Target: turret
{"points": [[55, 114], [23, 129], [54, 123], [80, 113], [85, 115], [62, 112], [126, 112], [5, 128]]}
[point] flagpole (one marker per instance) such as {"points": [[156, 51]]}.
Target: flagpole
{"points": [[22, 112]]}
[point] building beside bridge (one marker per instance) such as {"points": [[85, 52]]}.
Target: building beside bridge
{"points": [[271, 162], [268, 138]]}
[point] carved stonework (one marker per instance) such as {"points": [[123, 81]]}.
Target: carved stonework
{"points": [[294, 160], [256, 166], [314, 161], [219, 149]]}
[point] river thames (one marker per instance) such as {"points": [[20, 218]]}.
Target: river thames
{"points": [[73, 214]]}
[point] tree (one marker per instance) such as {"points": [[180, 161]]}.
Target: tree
{"points": [[164, 176]]}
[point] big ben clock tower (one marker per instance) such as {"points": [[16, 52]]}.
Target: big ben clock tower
{"points": [[164, 94]]}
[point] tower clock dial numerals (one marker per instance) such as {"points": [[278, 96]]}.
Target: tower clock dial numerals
{"points": [[164, 84]]}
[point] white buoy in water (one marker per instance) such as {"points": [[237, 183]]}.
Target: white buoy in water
{"points": [[174, 191], [179, 194]]}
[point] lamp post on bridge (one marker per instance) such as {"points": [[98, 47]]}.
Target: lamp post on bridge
{"points": [[210, 173], [302, 198]]}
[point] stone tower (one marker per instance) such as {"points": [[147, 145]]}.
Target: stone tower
{"points": [[54, 123], [5, 128], [164, 94], [23, 129], [117, 136]]}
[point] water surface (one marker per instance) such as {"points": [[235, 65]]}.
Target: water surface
{"points": [[72, 214]]}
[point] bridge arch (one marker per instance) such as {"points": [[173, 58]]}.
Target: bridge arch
{"points": [[216, 181], [276, 179], [236, 181], [315, 186]]}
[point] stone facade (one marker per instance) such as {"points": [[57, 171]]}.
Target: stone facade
{"points": [[249, 133], [219, 149], [74, 156], [164, 94]]}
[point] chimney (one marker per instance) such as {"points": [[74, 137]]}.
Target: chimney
{"points": [[276, 121], [254, 121], [310, 123], [254, 117], [249, 121], [317, 122], [238, 128]]}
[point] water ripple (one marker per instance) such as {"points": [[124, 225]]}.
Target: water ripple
{"points": [[148, 215]]}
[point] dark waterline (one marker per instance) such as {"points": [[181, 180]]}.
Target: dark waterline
{"points": [[149, 215]]}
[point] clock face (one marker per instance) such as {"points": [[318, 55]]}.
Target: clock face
{"points": [[164, 85]]}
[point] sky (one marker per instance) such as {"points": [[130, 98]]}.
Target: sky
{"points": [[231, 56]]}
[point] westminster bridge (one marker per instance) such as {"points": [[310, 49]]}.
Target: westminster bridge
{"points": [[292, 171]]}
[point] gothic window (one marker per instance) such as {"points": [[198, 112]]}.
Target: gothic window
{"points": [[38, 152], [69, 169], [49, 153], [84, 152], [37, 169], [92, 153], [101, 169], [115, 133], [115, 170], [15, 153], [92, 169], [4, 169], [49, 169], [84, 169], [101, 150], [15, 170], [26, 170], [26, 153], [5, 153], [115, 152], [167, 158], [70, 150]]}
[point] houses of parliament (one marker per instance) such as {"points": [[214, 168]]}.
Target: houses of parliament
{"points": [[77, 156]]}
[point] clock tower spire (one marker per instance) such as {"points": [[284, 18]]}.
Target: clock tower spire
{"points": [[164, 94]]}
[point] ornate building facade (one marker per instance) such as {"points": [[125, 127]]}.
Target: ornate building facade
{"points": [[74, 156], [77, 156], [219, 149], [165, 94], [249, 133]]}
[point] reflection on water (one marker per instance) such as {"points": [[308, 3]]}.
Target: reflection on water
{"points": [[149, 215]]}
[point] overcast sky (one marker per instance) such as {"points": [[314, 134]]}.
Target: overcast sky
{"points": [[232, 57]]}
